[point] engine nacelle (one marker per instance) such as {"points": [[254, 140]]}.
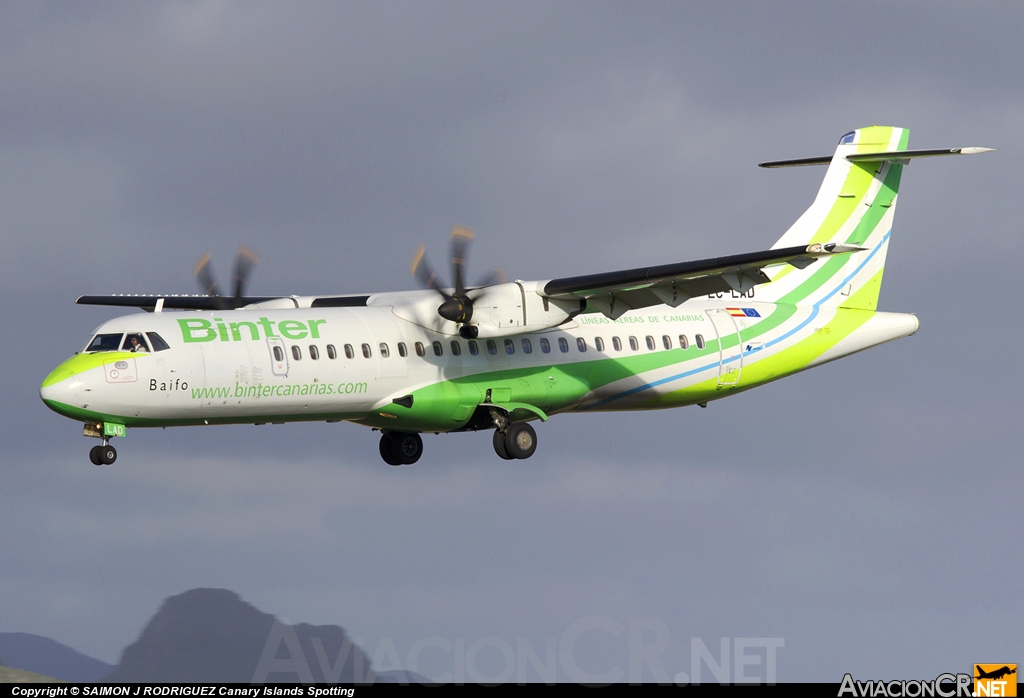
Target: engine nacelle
{"points": [[518, 306]]}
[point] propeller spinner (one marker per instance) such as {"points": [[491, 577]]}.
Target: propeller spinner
{"points": [[458, 305], [245, 260]]}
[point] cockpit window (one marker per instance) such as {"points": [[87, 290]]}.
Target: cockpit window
{"points": [[104, 342], [157, 341], [135, 343]]}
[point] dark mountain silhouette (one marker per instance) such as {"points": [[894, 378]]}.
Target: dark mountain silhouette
{"points": [[42, 655], [211, 635]]}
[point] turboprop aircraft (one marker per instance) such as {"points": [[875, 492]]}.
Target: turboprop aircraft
{"points": [[500, 355]]}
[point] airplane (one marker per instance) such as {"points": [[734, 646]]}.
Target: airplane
{"points": [[996, 673], [503, 355]]}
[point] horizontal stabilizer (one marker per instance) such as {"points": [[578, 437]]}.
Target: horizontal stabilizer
{"points": [[900, 156]]}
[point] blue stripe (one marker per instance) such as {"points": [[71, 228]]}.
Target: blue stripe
{"points": [[814, 313]]}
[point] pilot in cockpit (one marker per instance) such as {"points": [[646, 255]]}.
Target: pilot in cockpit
{"points": [[135, 344]]}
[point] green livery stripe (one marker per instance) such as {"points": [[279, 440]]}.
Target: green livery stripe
{"points": [[858, 181], [85, 415], [790, 360]]}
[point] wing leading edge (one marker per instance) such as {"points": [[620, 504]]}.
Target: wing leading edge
{"points": [[204, 302], [613, 293]]}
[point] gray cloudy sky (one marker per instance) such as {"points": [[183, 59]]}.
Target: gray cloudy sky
{"points": [[863, 511]]}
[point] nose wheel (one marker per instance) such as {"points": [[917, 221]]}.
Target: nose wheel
{"points": [[519, 441], [400, 448], [102, 455]]}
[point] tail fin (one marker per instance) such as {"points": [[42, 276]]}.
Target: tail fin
{"points": [[854, 206]]}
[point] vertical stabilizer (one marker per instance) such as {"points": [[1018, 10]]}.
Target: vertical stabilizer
{"points": [[854, 206]]}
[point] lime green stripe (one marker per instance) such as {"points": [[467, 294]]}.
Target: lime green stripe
{"points": [[80, 363]]}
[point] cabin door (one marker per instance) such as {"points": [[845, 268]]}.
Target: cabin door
{"points": [[278, 356], [730, 346]]}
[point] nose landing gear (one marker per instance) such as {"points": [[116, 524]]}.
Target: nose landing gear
{"points": [[103, 455]]}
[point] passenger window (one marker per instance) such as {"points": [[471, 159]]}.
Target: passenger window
{"points": [[332, 353], [650, 342], [581, 344], [438, 349], [278, 354], [135, 343], [296, 353], [563, 344], [510, 346], [684, 343], [420, 350], [403, 351], [349, 351], [545, 345], [617, 343], [598, 343], [314, 353], [527, 346], [633, 344], [157, 342], [699, 339], [456, 348], [474, 348], [492, 348], [666, 341], [367, 352], [384, 351]]}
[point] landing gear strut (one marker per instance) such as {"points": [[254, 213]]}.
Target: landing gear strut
{"points": [[103, 455], [518, 441], [400, 448]]}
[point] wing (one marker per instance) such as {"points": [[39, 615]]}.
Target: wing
{"points": [[203, 302], [613, 293]]}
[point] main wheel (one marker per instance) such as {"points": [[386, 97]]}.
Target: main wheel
{"points": [[94, 455], [406, 447], [107, 454], [387, 451], [499, 445], [520, 440]]}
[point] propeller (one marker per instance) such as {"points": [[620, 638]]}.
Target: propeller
{"points": [[245, 260], [458, 305]]}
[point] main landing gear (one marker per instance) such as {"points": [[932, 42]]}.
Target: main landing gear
{"points": [[511, 442], [400, 447], [103, 455], [517, 441]]}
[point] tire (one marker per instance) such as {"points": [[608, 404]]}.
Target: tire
{"points": [[387, 451], [406, 447], [94, 455], [520, 440], [499, 445], [107, 454]]}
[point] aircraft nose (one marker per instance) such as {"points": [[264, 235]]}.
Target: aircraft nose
{"points": [[61, 388], [63, 392]]}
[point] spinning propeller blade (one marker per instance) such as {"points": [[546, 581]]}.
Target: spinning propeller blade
{"points": [[458, 306], [245, 260]]}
